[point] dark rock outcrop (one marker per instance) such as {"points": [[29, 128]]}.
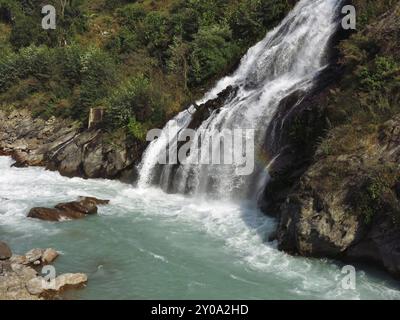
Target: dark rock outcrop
{"points": [[343, 201], [70, 210], [352, 213], [63, 146], [204, 111]]}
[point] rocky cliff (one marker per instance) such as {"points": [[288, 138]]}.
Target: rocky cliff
{"points": [[336, 187], [62, 145]]}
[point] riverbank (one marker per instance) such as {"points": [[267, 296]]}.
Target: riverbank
{"points": [[21, 276], [64, 146], [146, 244]]}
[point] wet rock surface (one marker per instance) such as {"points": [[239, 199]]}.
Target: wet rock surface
{"points": [[336, 193], [68, 211], [204, 111]]}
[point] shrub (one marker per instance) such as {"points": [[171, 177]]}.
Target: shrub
{"points": [[212, 51], [380, 74], [98, 76]]}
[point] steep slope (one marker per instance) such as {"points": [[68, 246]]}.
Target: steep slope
{"points": [[341, 199]]}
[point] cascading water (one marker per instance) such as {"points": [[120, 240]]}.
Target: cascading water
{"points": [[285, 61]]}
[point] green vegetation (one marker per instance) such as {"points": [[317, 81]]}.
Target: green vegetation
{"points": [[375, 194], [369, 91], [357, 107], [141, 60]]}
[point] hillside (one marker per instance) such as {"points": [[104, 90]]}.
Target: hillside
{"points": [[143, 61], [340, 196]]}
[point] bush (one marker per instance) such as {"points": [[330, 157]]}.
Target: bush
{"points": [[212, 51], [99, 46], [136, 102], [98, 76], [379, 76]]}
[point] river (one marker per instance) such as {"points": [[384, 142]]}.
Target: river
{"points": [[150, 245]]}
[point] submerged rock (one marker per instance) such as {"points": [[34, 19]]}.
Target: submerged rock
{"points": [[69, 210]]}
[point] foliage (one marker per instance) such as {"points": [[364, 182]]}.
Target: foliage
{"points": [[142, 60]]}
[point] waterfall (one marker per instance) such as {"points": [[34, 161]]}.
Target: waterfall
{"points": [[286, 60]]}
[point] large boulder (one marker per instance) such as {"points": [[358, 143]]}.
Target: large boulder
{"points": [[5, 251], [54, 214], [69, 210]]}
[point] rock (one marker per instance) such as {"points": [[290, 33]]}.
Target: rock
{"points": [[60, 144], [54, 214], [204, 111], [5, 266], [353, 217], [17, 259], [94, 200], [49, 256], [39, 286], [36, 286], [70, 281], [24, 271], [5, 251], [34, 255], [13, 287], [19, 279], [83, 207], [69, 210]]}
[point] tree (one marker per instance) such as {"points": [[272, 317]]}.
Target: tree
{"points": [[212, 51], [178, 63]]}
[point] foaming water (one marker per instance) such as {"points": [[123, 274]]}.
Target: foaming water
{"points": [[150, 245]]}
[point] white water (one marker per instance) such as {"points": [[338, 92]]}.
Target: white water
{"points": [[147, 244], [286, 60]]}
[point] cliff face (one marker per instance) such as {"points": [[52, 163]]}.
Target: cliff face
{"points": [[61, 145], [348, 206], [336, 189]]}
